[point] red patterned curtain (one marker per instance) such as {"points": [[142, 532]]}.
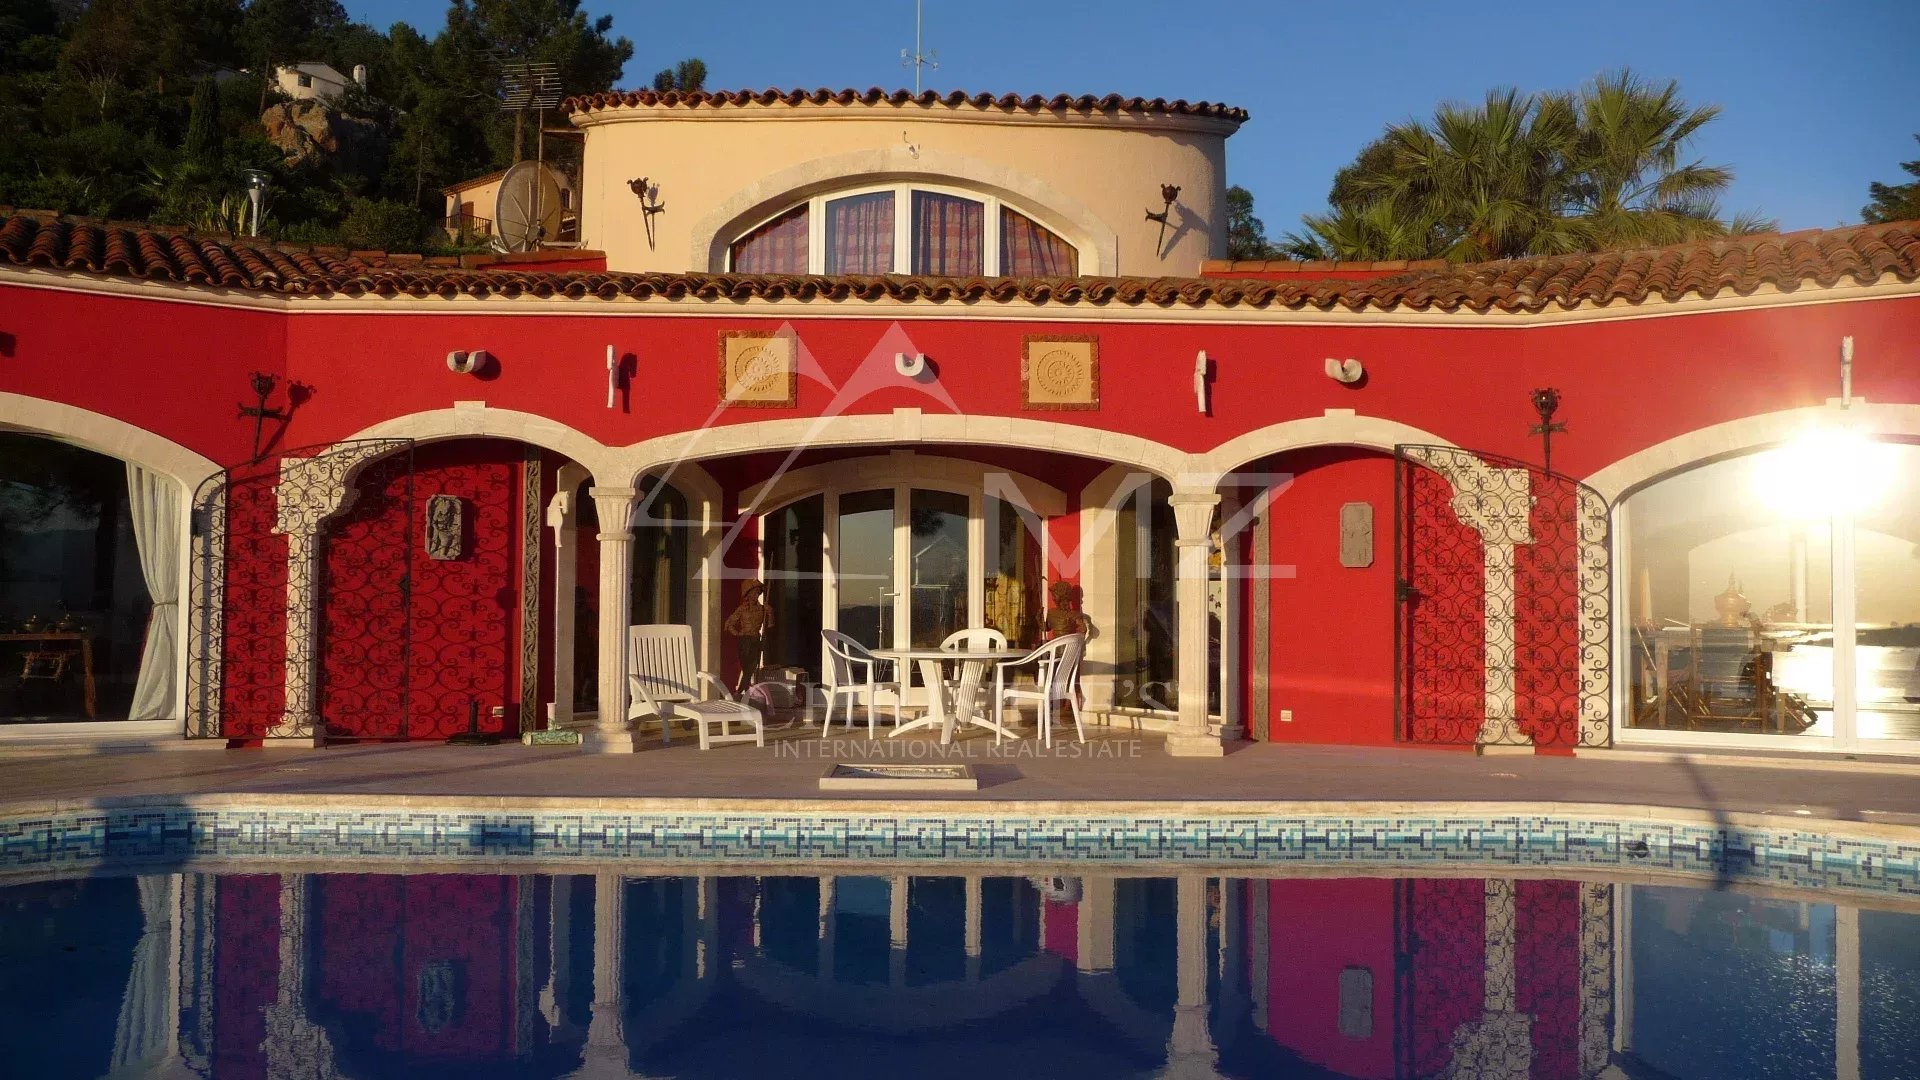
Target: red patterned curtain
{"points": [[949, 235], [1029, 250], [860, 234], [778, 247]]}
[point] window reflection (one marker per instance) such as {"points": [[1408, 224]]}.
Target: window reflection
{"points": [[74, 601], [1732, 570]]}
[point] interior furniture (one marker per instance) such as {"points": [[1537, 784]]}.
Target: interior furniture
{"points": [[83, 640], [665, 682], [1057, 680]]}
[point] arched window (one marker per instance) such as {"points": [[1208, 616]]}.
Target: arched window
{"points": [[902, 229], [1776, 594]]}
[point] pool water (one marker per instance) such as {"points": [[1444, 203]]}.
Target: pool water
{"points": [[913, 975]]}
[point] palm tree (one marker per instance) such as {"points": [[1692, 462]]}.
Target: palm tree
{"points": [[1627, 183], [1523, 174]]}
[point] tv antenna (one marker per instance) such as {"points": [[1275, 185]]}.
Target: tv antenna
{"points": [[524, 85], [917, 59]]}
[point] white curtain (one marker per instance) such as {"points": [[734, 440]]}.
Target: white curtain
{"points": [[156, 529], [141, 1036]]}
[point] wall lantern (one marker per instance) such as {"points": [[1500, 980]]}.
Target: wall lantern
{"points": [[468, 363], [1168, 193], [1346, 372]]}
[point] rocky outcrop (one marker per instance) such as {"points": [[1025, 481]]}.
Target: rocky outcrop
{"points": [[312, 132]]}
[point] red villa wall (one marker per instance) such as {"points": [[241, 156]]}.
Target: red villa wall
{"points": [[1331, 657], [177, 369]]}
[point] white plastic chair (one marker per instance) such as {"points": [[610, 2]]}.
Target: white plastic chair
{"points": [[663, 681], [1057, 679], [978, 637], [961, 687], [851, 672]]}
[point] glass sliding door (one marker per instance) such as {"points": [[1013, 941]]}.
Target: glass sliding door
{"points": [[793, 549], [1886, 562], [937, 565], [864, 568], [1775, 597]]}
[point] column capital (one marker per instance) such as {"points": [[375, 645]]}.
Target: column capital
{"points": [[1193, 513], [614, 505]]}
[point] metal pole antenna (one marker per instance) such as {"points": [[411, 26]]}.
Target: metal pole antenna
{"points": [[918, 59]]}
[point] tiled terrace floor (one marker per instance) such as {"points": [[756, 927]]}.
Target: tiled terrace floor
{"points": [[1115, 765]]}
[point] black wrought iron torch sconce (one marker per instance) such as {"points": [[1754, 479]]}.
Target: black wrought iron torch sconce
{"points": [[263, 385], [1546, 402], [1168, 193]]}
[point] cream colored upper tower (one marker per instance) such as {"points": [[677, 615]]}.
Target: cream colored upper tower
{"points": [[719, 165]]}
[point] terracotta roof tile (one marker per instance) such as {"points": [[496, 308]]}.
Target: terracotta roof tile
{"points": [[1858, 255], [1060, 103]]}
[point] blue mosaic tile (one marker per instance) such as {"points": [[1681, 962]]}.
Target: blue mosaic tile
{"points": [[78, 840]]}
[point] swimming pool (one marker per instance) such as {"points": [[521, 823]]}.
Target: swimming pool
{"points": [[856, 972]]}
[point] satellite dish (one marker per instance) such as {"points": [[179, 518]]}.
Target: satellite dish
{"points": [[526, 212]]}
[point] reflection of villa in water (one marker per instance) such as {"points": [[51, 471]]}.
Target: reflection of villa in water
{"points": [[609, 976]]}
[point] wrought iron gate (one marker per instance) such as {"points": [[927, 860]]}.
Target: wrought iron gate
{"points": [[1504, 628], [249, 584]]}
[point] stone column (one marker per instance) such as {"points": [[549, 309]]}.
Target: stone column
{"points": [[606, 1049], [1846, 972], [311, 491], [566, 565], [1193, 513], [613, 734], [1499, 1045], [1498, 504], [1190, 1051], [826, 930], [553, 996], [1093, 926], [296, 1047], [973, 931], [897, 930]]}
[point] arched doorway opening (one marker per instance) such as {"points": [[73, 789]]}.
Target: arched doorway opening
{"points": [[900, 551], [90, 556]]}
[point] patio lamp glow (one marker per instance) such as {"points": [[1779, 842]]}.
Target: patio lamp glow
{"points": [[1827, 471]]}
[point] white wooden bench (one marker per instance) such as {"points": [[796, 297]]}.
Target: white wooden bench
{"points": [[664, 681]]}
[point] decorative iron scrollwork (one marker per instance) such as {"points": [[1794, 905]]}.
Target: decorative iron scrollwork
{"points": [[1504, 585]]}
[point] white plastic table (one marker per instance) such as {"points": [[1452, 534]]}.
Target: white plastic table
{"points": [[973, 666]]}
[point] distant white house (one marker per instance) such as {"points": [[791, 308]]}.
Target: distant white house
{"points": [[317, 81]]}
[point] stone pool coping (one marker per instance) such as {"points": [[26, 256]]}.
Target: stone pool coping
{"points": [[55, 836]]}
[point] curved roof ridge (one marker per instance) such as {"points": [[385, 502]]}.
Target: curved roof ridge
{"points": [[1862, 254], [1081, 103]]}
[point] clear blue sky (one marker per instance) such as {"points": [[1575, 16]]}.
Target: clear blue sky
{"points": [[1818, 98]]}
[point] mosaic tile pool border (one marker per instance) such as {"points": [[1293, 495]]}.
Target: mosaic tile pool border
{"points": [[75, 840]]}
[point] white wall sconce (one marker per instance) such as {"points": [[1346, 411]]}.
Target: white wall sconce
{"points": [[910, 365], [468, 363], [1202, 383], [1346, 372]]}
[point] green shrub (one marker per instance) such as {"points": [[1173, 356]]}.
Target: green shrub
{"points": [[383, 225]]}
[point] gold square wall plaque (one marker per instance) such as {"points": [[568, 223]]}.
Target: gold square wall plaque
{"points": [[1060, 371], [758, 370]]}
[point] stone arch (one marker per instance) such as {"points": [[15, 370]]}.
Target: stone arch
{"points": [[104, 434], [1637, 470], [479, 421], [929, 470], [1337, 427], [1045, 203], [901, 428], [115, 438]]}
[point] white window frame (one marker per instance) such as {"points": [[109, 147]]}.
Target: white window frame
{"points": [[1843, 581], [902, 224]]}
